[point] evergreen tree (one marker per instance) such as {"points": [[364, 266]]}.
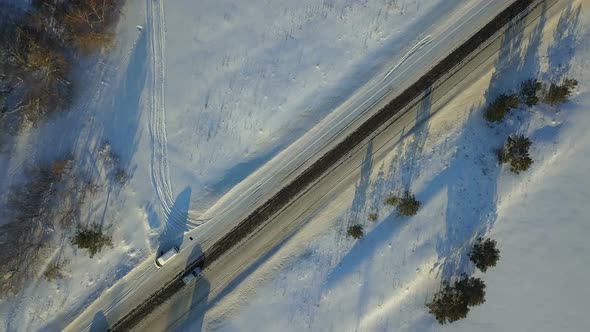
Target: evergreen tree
{"points": [[529, 91], [408, 205], [356, 231], [497, 110], [484, 254], [516, 152]]}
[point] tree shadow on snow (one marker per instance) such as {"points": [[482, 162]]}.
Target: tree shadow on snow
{"points": [[471, 177], [358, 208], [384, 184]]}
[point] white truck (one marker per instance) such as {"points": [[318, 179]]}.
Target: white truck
{"points": [[168, 255], [187, 279]]}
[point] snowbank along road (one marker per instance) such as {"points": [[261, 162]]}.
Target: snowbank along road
{"points": [[284, 176]]}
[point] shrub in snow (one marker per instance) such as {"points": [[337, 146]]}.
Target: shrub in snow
{"points": [[392, 200], [448, 305], [408, 205], [497, 110], [121, 176], [92, 239], [559, 93], [484, 254], [107, 154], [373, 216], [452, 302], [54, 271], [356, 231], [516, 152], [86, 25], [529, 91], [33, 80], [472, 290]]}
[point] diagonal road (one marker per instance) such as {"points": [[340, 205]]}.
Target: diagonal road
{"points": [[298, 190]]}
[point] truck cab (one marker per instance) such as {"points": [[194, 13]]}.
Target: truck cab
{"points": [[187, 279], [168, 255]]}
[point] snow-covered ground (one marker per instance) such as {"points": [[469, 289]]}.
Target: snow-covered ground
{"points": [[194, 98], [322, 281]]}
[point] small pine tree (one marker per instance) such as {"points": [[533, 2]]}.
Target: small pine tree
{"points": [[484, 254], [392, 200], [452, 302], [121, 176], [54, 271], [497, 110], [356, 231], [560, 93], [472, 290], [92, 239], [529, 91], [408, 205], [516, 152], [373, 216], [448, 305]]}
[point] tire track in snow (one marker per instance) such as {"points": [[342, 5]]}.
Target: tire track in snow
{"points": [[160, 172], [374, 95], [413, 50]]}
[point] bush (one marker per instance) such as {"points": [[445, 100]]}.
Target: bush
{"points": [[452, 303], [88, 24], [392, 200], [373, 216], [121, 176], [34, 80], [472, 290], [54, 271], [497, 110], [356, 231], [557, 94], [484, 254], [92, 239], [106, 153], [408, 205], [529, 91], [516, 152], [448, 306]]}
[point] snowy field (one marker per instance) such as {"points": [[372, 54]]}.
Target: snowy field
{"points": [[194, 98], [320, 280]]}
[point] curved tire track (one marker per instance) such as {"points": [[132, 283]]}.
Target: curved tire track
{"points": [[160, 172]]}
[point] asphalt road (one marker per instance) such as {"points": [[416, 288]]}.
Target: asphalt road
{"points": [[190, 303]]}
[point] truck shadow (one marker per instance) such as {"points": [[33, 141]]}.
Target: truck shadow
{"points": [[99, 323], [188, 312], [175, 226]]}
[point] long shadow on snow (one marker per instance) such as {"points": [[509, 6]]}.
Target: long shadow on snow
{"points": [[237, 281], [470, 179], [379, 235], [173, 233], [99, 323], [191, 305], [472, 176], [360, 193], [566, 36], [120, 121], [74, 132]]}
